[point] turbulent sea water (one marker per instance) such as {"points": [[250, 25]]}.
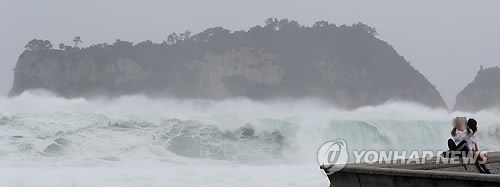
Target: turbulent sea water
{"points": [[136, 141]]}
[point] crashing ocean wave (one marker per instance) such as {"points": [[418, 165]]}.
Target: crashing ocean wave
{"points": [[39, 130]]}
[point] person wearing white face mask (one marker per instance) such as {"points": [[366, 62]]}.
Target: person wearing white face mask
{"points": [[461, 136]]}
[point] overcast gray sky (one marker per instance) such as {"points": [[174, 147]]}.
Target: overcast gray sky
{"points": [[446, 40]]}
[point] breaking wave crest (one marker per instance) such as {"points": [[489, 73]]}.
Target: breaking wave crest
{"points": [[38, 130], [37, 125]]}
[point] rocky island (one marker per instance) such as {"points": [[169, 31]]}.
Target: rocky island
{"points": [[346, 65], [482, 93]]}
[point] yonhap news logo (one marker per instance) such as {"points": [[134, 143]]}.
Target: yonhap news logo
{"points": [[332, 156]]}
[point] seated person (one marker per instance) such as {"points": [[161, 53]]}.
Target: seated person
{"points": [[472, 124], [463, 140]]}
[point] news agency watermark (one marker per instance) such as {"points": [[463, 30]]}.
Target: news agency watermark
{"points": [[334, 155]]}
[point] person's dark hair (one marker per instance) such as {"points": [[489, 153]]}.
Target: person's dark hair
{"points": [[472, 123]]}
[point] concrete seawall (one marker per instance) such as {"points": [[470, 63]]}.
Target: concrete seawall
{"points": [[433, 173]]}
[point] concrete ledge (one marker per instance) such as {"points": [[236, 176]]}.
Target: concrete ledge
{"points": [[422, 173], [431, 173]]}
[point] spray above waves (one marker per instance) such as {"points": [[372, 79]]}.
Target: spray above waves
{"points": [[40, 129], [40, 101]]}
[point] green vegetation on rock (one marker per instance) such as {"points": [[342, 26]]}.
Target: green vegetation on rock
{"points": [[345, 65]]}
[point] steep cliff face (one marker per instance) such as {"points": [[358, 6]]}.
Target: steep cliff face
{"points": [[73, 77], [482, 93], [345, 65], [238, 73]]}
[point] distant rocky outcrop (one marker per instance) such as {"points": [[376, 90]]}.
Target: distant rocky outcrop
{"points": [[346, 65], [482, 93]]}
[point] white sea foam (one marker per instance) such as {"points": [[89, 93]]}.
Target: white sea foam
{"points": [[137, 141]]}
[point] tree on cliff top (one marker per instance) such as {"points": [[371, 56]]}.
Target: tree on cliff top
{"points": [[36, 44], [77, 40]]}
